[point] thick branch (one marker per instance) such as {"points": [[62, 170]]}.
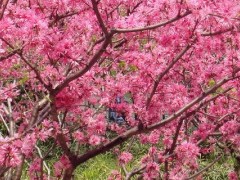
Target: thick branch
{"points": [[100, 20], [175, 138], [60, 137], [4, 6], [116, 141], [19, 169], [87, 67], [62, 142]]}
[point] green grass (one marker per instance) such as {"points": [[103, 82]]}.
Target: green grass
{"points": [[98, 168], [218, 171]]}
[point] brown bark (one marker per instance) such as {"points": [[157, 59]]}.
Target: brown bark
{"points": [[19, 169], [68, 174], [237, 165]]}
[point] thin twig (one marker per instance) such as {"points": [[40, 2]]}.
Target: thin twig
{"points": [[152, 26], [159, 78], [206, 168], [38, 76], [217, 32]]}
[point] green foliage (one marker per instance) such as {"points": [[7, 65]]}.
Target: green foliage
{"points": [[24, 79], [113, 73], [122, 64], [211, 83]]}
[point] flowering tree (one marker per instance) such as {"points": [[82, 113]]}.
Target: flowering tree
{"points": [[64, 62]]}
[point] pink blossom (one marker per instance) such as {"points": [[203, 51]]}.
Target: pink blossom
{"points": [[79, 136], [229, 128], [94, 140], [35, 168], [63, 63], [61, 165], [125, 157], [232, 176], [187, 152], [9, 156], [152, 171], [115, 175], [153, 138], [28, 146]]}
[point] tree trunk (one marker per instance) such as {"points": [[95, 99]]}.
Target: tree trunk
{"points": [[19, 169], [68, 174], [237, 165]]}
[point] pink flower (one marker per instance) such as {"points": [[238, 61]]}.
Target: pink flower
{"points": [[232, 176], [79, 136], [187, 150], [152, 171], [153, 137], [115, 175], [94, 140], [187, 153], [61, 165], [229, 128], [125, 157], [9, 156], [34, 168], [28, 146], [43, 135]]}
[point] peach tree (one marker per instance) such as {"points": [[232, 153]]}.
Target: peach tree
{"points": [[174, 63]]}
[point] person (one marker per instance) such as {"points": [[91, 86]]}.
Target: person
{"points": [[114, 116]]}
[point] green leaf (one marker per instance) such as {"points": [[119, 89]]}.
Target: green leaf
{"points": [[122, 64], [113, 73], [24, 79], [133, 68]]}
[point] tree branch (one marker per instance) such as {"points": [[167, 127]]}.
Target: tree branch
{"points": [[100, 20], [4, 6], [191, 104], [137, 130], [219, 125], [159, 78], [173, 146], [206, 168], [87, 67], [134, 172], [9, 55], [59, 17], [217, 32], [38, 76], [152, 26]]}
